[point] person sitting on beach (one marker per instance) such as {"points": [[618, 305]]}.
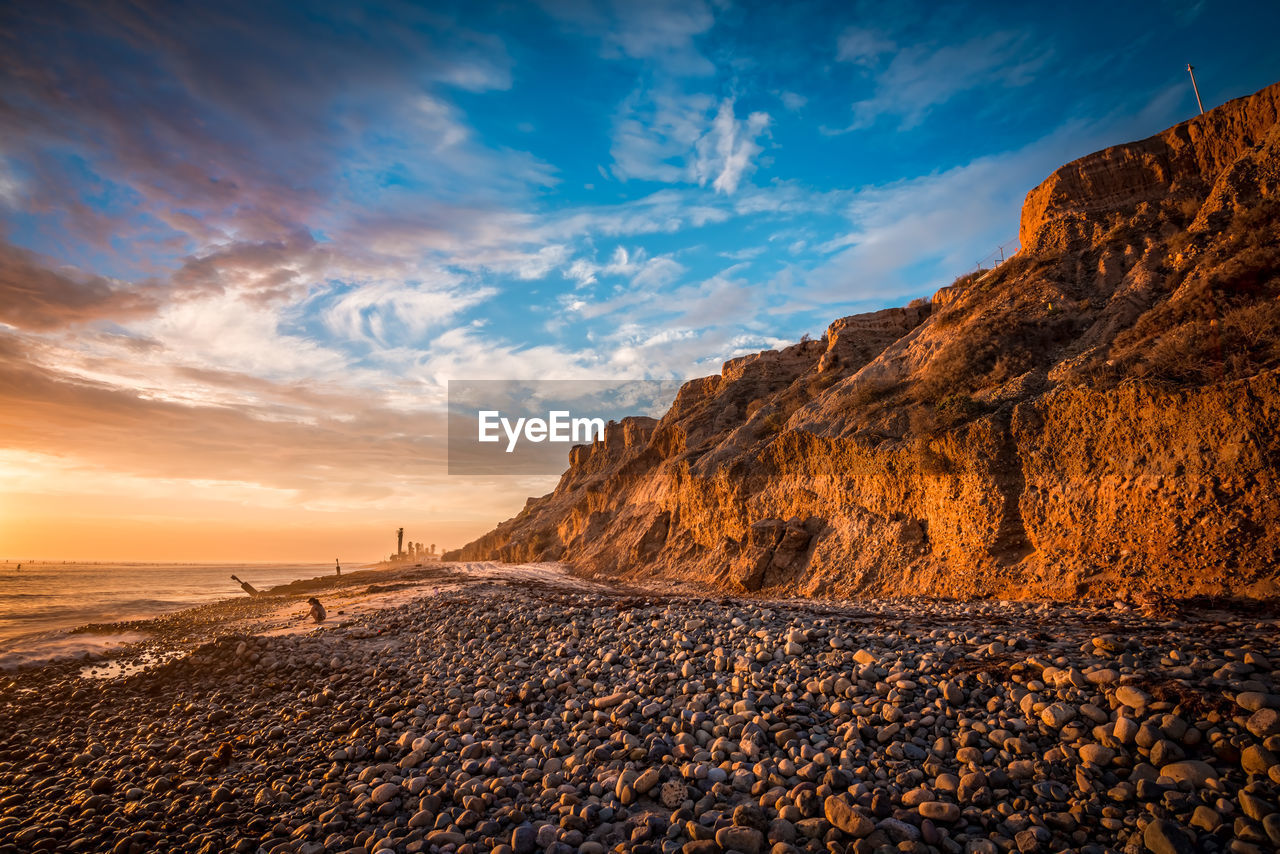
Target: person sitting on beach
{"points": [[317, 610], [246, 586]]}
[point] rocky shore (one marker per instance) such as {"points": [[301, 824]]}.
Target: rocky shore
{"points": [[517, 715]]}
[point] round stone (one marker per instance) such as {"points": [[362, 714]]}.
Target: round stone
{"points": [[939, 811], [384, 793]]}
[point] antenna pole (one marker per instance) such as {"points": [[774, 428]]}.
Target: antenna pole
{"points": [[1191, 69]]}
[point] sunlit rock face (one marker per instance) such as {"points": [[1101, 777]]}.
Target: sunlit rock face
{"points": [[1096, 416]]}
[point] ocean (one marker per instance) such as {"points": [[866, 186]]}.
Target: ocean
{"points": [[41, 602]]}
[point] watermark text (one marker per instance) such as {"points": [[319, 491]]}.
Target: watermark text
{"points": [[558, 426]]}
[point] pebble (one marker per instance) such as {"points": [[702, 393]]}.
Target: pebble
{"points": [[1264, 722], [1058, 715], [939, 811], [385, 793], [1252, 701], [1165, 837], [673, 794], [549, 720], [646, 781], [848, 820], [524, 839], [1096, 754], [1256, 759], [1133, 697], [1194, 771], [748, 840]]}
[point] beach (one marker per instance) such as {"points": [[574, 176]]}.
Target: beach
{"points": [[42, 603], [516, 708]]}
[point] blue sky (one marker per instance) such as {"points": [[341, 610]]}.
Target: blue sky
{"points": [[317, 214]]}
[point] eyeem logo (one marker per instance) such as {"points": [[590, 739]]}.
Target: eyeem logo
{"points": [[527, 427], [558, 426]]}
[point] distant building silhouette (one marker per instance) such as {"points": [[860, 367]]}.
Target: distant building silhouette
{"points": [[413, 551]]}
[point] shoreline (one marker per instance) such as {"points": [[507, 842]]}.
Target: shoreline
{"points": [[515, 708], [277, 610], [66, 610]]}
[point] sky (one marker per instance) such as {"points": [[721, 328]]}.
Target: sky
{"points": [[245, 245]]}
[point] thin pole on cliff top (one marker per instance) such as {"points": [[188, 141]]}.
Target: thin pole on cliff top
{"points": [[1191, 69]]}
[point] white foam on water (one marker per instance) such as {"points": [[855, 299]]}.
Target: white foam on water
{"points": [[41, 602], [61, 646]]}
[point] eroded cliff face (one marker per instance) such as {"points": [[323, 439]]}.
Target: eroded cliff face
{"points": [[1097, 416]]}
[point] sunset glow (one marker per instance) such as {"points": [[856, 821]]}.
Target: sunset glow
{"points": [[243, 247]]}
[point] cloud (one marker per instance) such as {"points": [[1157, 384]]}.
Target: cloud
{"points": [[862, 46], [683, 352], [635, 266], [126, 436], [726, 152], [376, 312], [264, 269], [920, 77], [704, 309], [658, 273], [793, 101], [11, 186], [677, 138], [38, 294], [666, 211], [909, 237], [218, 121], [656, 134], [725, 300], [438, 123], [1184, 11], [660, 31]]}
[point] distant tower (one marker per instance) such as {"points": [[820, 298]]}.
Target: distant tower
{"points": [[433, 548], [399, 540]]}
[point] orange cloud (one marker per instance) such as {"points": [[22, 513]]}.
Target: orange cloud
{"points": [[96, 471]]}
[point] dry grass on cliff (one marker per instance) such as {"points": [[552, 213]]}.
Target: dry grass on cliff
{"points": [[1223, 321], [1219, 319], [997, 346]]}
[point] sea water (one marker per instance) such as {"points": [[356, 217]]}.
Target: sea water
{"points": [[41, 602]]}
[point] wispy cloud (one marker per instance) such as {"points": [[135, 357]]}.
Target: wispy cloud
{"points": [[910, 80], [663, 32], [383, 313], [656, 135], [793, 101], [945, 221], [727, 152], [862, 46], [36, 294], [686, 138], [634, 265]]}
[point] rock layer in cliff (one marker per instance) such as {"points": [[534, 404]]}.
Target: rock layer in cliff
{"points": [[1096, 416]]}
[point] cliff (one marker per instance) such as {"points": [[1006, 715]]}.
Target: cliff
{"points": [[1097, 416]]}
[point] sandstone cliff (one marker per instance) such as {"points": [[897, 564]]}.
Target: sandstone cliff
{"points": [[1097, 416]]}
